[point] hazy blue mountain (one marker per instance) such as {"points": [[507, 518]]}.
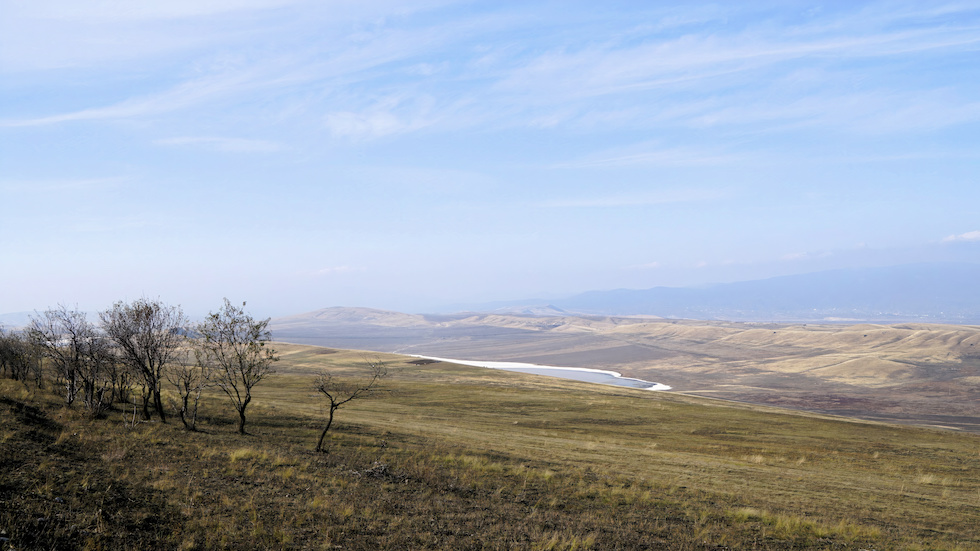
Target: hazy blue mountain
{"points": [[940, 292], [15, 320]]}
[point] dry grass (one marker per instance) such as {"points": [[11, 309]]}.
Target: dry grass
{"points": [[463, 458], [920, 374]]}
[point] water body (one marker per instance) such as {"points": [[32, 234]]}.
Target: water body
{"points": [[575, 373]]}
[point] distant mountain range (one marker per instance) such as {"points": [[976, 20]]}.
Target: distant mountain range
{"points": [[532, 330], [933, 292], [14, 320], [928, 292]]}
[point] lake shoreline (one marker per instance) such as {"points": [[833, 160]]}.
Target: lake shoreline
{"points": [[600, 376]]}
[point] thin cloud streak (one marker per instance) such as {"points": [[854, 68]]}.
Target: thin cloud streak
{"points": [[677, 156], [968, 236], [229, 145], [688, 59], [338, 270], [185, 95], [60, 186], [123, 10], [641, 200]]}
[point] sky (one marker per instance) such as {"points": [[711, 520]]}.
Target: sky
{"points": [[422, 154]]}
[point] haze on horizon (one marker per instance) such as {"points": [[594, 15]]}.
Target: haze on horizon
{"points": [[300, 154]]}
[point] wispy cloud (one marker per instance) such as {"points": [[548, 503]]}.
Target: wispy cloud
{"points": [[62, 185], [677, 69], [752, 70], [373, 123], [653, 155], [968, 236], [869, 112], [229, 145], [422, 181], [337, 270], [120, 10], [323, 80], [641, 199], [612, 67], [184, 95], [646, 266], [109, 225], [59, 34], [795, 257]]}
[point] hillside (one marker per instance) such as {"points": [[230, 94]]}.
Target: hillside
{"points": [[456, 457], [916, 373]]}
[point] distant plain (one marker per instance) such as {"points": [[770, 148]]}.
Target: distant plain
{"points": [[923, 374]]}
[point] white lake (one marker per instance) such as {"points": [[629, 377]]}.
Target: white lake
{"points": [[598, 376]]}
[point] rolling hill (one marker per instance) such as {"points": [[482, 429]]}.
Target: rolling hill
{"points": [[926, 374]]}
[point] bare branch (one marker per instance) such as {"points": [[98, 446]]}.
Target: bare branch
{"points": [[341, 391]]}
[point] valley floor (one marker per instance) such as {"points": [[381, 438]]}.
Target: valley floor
{"points": [[921, 374]]}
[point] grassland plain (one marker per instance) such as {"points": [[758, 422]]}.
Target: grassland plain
{"points": [[457, 457], [922, 374]]}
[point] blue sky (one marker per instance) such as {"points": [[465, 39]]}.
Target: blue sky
{"points": [[413, 155]]}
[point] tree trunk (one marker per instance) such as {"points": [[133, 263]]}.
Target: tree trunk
{"points": [[146, 406], [319, 444], [188, 424], [158, 405], [70, 389]]}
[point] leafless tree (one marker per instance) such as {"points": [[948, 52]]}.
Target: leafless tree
{"points": [[63, 335], [341, 391], [235, 346], [81, 355], [120, 377], [148, 335], [19, 357], [97, 374], [8, 349], [34, 359], [191, 375]]}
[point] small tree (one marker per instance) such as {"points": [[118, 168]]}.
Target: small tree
{"points": [[234, 345], [19, 356], [190, 378], [9, 350], [148, 335], [81, 355], [63, 334], [97, 374], [341, 391]]}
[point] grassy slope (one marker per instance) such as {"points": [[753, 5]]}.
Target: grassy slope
{"points": [[459, 457], [924, 374]]}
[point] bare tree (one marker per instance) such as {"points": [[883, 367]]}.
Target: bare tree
{"points": [[19, 357], [341, 391], [62, 335], [120, 377], [97, 374], [8, 352], [33, 358], [191, 378], [81, 355], [148, 335], [234, 345]]}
